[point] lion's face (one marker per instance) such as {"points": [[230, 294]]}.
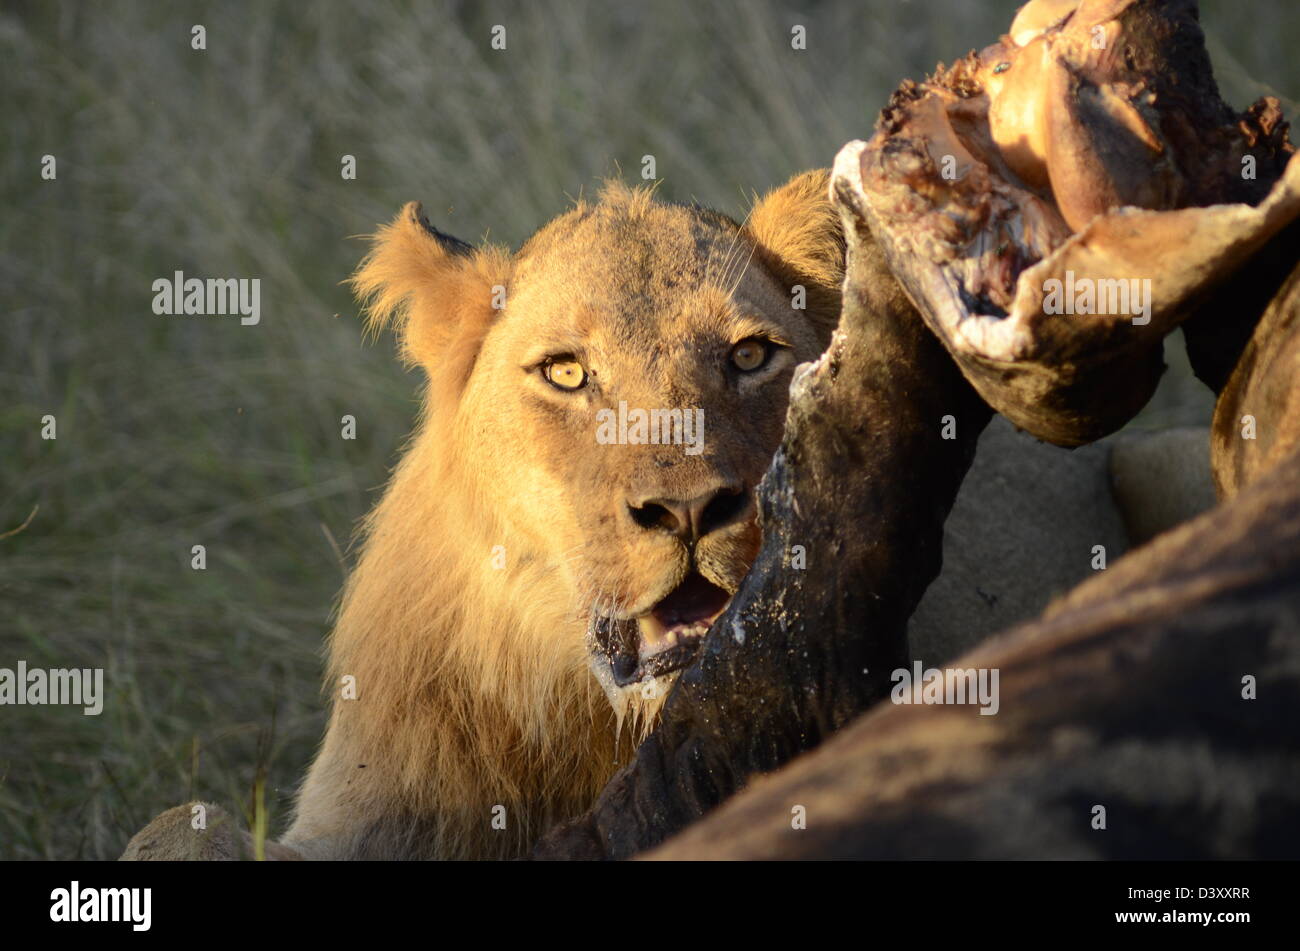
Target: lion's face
{"points": [[614, 317], [630, 390]]}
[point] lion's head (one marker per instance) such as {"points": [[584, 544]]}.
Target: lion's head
{"points": [[623, 378]]}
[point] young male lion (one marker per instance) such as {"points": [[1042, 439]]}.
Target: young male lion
{"points": [[540, 566]]}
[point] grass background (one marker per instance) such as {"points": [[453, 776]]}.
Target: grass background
{"points": [[181, 431]]}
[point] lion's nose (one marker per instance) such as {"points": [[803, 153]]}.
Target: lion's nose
{"points": [[691, 519]]}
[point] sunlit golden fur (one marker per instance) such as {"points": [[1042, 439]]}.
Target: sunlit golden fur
{"points": [[505, 526]]}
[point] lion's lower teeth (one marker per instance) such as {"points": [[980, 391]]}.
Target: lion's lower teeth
{"points": [[655, 638], [694, 631]]}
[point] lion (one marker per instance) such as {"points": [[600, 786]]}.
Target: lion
{"points": [[574, 509]]}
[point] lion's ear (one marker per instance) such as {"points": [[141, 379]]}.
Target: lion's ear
{"points": [[436, 291], [801, 240]]}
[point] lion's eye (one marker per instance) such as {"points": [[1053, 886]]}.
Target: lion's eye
{"points": [[749, 355], [565, 374]]}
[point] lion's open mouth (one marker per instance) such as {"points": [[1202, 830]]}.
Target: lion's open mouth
{"points": [[664, 639]]}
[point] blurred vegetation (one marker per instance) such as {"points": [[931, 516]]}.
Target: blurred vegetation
{"points": [[174, 432]]}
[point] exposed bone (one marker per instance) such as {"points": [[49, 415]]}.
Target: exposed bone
{"points": [[1035, 17], [976, 179]]}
